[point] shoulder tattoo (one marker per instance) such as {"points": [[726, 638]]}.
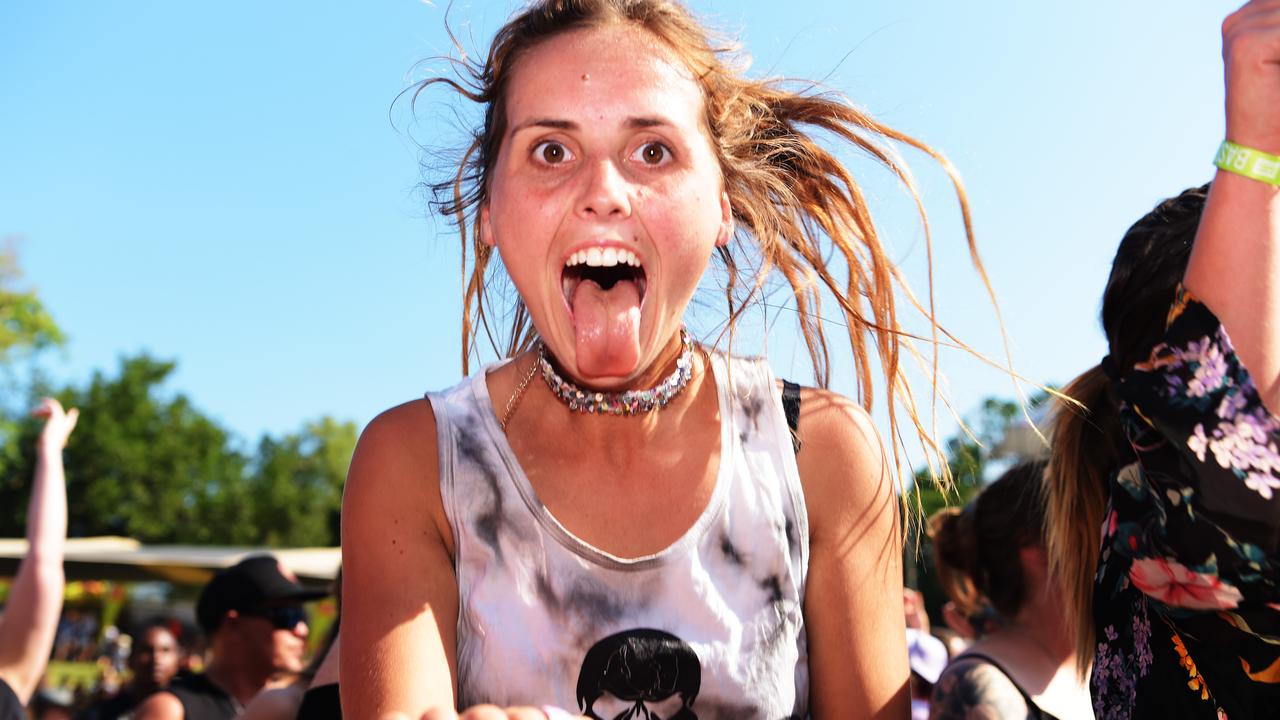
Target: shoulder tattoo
{"points": [[976, 690]]}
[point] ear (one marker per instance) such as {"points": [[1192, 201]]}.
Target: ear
{"points": [[486, 228], [726, 221], [1035, 566]]}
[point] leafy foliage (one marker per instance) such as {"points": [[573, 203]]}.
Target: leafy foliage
{"points": [[26, 327], [25, 324], [147, 463], [150, 465], [970, 459]]}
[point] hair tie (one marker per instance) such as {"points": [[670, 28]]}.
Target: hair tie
{"points": [[1110, 369]]}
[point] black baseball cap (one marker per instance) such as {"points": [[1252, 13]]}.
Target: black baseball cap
{"points": [[255, 583]]}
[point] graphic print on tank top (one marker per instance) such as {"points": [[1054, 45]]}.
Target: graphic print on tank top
{"points": [[639, 674]]}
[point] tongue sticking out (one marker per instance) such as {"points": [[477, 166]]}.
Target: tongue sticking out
{"points": [[607, 324]]}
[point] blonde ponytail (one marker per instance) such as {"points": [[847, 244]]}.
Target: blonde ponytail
{"points": [[1087, 445]]}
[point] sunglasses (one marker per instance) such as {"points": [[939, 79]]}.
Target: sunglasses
{"points": [[284, 617]]}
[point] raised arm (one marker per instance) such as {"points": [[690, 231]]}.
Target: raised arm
{"points": [[1235, 265], [853, 598], [35, 600], [399, 592]]}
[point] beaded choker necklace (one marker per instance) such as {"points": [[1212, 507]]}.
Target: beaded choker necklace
{"points": [[631, 402]]}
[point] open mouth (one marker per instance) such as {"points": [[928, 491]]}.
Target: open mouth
{"points": [[606, 267]]}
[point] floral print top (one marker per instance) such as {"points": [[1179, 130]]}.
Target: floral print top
{"points": [[1186, 605]]}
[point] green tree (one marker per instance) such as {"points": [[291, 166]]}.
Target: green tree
{"points": [[25, 324], [141, 463], [297, 483], [146, 463], [969, 460], [26, 327]]}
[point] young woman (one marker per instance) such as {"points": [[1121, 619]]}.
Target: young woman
{"points": [[1177, 459], [618, 520], [35, 599], [992, 553]]}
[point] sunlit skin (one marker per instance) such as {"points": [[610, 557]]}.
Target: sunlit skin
{"points": [[285, 647], [606, 146]]}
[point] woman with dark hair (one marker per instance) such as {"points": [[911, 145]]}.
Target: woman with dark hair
{"points": [[1164, 511], [992, 554]]}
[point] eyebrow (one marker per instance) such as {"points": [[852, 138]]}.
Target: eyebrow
{"points": [[551, 123], [632, 123]]}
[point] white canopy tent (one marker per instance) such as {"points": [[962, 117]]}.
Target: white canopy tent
{"points": [[126, 559]]}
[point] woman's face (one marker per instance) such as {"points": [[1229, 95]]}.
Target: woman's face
{"points": [[606, 199]]}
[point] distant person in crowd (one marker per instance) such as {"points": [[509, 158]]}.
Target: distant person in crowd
{"points": [[926, 654], [314, 694], [253, 617], [1165, 515], [993, 552], [35, 599], [153, 662]]}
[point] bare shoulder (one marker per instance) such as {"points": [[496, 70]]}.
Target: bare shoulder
{"points": [[396, 466], [9, 676], [842, 464], [405, 434], [972, 689], [397, 627], [853, 603], [275, 703], [160, 706]]}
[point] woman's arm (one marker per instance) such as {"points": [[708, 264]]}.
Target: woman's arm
{"points": [[35, 600], [853, 599], [399, 594], [1235, 265]]}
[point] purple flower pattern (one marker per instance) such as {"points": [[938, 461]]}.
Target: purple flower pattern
{"points": [[1202, 499]]}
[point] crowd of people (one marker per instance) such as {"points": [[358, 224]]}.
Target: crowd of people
{"points": [[619, 521]]}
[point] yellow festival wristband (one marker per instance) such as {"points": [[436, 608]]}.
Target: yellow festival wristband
{"points": [[1248, 162]]}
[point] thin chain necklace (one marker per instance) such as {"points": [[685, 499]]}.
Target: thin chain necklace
{"points": [[514, 401], [631, 402]]}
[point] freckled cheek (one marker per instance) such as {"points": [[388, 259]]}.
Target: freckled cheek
{"points": [[689, 223], [522, 213]]}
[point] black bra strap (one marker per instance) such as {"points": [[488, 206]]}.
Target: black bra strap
{"points": [[1034, 710], [791, 408]]}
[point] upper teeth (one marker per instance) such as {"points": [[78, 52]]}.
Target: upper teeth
{"points": [[603, 257]]}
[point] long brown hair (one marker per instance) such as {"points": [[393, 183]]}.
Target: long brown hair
{"points": [[1088, 443], [795, 205]]}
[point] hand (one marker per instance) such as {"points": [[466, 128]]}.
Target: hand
{"points": [[58, 424], [492, 712], [913, 610], [1251, 51]]}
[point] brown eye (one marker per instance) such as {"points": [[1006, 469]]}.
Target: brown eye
{"points": [[551, 153], [653, 153]]}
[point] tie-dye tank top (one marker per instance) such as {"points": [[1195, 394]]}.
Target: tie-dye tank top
{"points": [[710, 627]]}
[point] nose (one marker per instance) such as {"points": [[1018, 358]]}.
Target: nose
{"points": [[606, 193], [301, 629]]}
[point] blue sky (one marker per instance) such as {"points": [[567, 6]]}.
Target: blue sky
{"points": [[228, 185]]}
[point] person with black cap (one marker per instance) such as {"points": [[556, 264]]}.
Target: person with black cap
{"points": [[252, 614]]}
